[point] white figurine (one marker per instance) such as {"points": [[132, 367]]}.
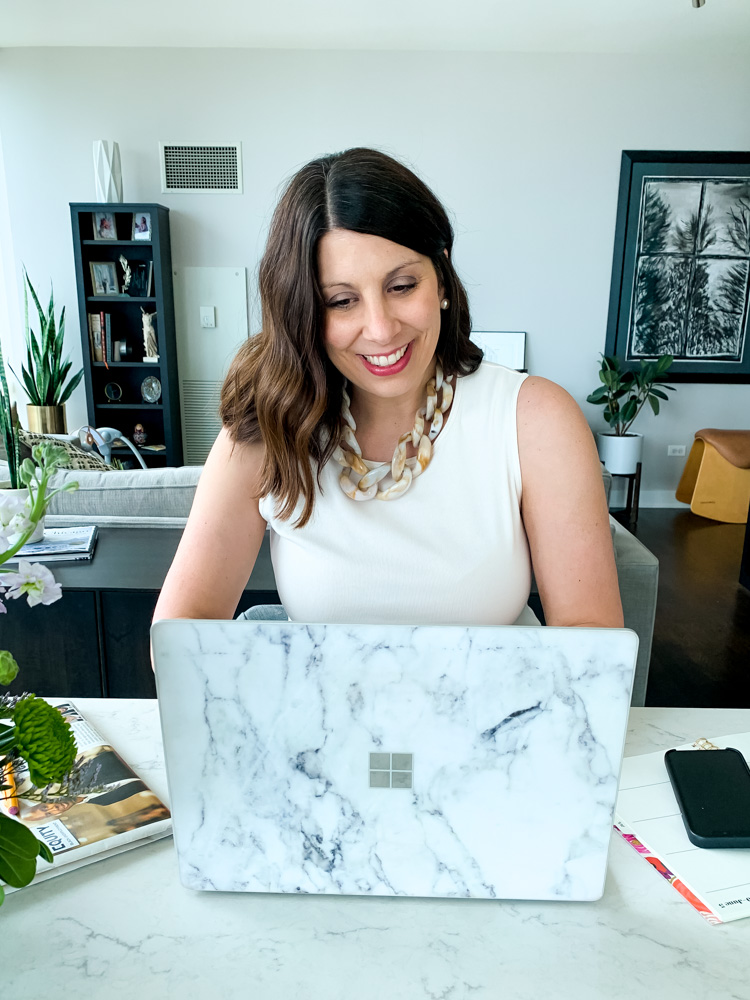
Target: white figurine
{"points": [[150, 349]]}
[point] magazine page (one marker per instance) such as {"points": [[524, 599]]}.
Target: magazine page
{"points": [[59, 542], [106, 809]]}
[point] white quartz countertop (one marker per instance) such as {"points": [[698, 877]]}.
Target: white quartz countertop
{"points": [[125, 926]]}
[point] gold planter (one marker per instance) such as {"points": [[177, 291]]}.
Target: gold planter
{"points": [[46, 419]]}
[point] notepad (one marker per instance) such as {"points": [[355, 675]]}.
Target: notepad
{"points": [[647, 816]]}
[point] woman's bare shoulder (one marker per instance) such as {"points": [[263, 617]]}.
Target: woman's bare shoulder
{"points": [[546, 413], [238, 460]]}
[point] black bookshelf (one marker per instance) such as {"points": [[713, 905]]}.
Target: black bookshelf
{"points": [[161, 420]]}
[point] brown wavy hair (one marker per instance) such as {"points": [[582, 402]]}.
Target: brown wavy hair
{"points": [[281, 389]]}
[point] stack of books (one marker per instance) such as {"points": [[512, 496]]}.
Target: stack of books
{"points": [[60, 545]]}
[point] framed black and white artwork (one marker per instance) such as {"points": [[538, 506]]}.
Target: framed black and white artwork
{"points": [[681, 267]]}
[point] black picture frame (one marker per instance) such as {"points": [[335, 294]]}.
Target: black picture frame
{"points": [[681, 264]]}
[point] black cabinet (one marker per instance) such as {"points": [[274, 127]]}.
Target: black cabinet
{"points": [[114, 244], [57, 647]]}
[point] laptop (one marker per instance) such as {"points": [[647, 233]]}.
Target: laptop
{"points": [[428, 761]]}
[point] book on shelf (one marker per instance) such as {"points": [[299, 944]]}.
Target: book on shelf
{"points": [[108, 810], [102, 337], [108, 337], [61, 545], [95, 331], [715, 881]]}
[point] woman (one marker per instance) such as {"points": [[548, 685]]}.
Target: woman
{"points": [[403, 479]]}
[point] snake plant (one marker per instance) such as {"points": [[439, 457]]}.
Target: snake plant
{"points": [[8, 430], [43, 376]]}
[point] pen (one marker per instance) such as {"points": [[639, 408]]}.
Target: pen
{"points": [[10, 795]]}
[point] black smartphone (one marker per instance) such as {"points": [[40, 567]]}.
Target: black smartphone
{"points": [[712, 788]]}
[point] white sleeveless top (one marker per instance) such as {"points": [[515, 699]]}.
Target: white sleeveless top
{"points": [[451, 550]]}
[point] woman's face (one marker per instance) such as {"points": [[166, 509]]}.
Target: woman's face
{"points": [[382, 313]]}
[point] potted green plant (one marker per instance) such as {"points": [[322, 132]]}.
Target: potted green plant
{"points": [[13, 491], [623, 395], [31, 730], [43, 376], [8, 432]]}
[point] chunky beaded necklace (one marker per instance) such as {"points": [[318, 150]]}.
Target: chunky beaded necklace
{"points": [[361, 479]]}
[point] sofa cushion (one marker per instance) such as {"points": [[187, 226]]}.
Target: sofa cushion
{"points": [[77, 457], [131, 493]]}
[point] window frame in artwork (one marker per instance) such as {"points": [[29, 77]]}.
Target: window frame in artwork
{"points": [[635, 166]]}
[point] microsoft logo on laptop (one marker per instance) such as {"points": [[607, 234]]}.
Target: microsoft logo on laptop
{"points": [[390, 770]]}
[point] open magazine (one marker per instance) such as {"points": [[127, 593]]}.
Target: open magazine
{"points": [[113, 812]]}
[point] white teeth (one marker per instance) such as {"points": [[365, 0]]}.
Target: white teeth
{"points": [[384, 362]]}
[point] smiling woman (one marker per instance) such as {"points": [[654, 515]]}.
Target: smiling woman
{"points": [[356, 265], [364, 385]]}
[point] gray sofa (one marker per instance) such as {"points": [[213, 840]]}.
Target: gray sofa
{"points": [[162, 498]]}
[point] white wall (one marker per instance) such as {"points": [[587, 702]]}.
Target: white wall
{"points": [[523, 149]]}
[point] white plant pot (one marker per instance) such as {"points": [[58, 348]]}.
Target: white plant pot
{"points": [[620, 454], [23, 494]]}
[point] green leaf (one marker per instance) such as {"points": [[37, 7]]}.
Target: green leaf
{"points": [[629, 411], [654, 404], [8, 667], [45, 852], [19, 850], [663, 363], [598, 395], [659, 393], [70, 387], [42, 317]]}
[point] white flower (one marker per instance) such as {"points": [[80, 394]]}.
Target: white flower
{"points": [[36, 582], [19, 525], [14, 519], [10, 506]]}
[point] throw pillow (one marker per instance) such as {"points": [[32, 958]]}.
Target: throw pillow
{"points": [[79, 459]]}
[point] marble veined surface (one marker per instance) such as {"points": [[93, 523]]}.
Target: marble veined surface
{"points": [[388, 760], [125, 927]]}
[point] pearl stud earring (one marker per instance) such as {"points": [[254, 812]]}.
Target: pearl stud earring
{"points": [[444, 304]]}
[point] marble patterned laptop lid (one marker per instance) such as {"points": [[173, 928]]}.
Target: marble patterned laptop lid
{"points": [[436, 761]]}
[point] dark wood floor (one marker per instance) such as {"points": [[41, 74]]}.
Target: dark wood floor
{"points": [[701, 651]]}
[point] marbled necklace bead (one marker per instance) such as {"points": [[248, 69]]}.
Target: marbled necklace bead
{"points": [[363, 480]]}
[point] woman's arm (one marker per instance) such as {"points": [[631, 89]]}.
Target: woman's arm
{"points": [[564, 510], [221, 539]]}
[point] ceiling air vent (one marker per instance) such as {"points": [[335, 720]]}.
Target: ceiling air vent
{"points": [[193, 168]]}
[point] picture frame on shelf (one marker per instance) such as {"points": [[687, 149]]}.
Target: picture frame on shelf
{"points": [[141, 278], [681, 264], [105, 227], [104, 277], [142, 226]]}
